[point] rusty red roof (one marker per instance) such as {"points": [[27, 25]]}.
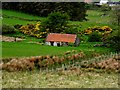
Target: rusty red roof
{"points": [[55, 37]]}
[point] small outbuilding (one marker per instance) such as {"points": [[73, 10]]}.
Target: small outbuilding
{"points": [[57, 39]]}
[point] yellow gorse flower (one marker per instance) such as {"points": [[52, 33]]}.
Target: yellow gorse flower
{"points": [[33, 30], [37, 26], [100, 30], [106, 28]]}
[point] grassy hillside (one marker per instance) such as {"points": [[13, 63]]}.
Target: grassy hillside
{"points": [[29, 49], [95, 18], [12, 18]]}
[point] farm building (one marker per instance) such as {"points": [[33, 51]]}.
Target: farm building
{"points": [[56, 39]]}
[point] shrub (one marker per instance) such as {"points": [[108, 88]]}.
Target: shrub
{"points": [[17, 26], [94, 37], [114, 40], [55, 22], [33, 30], [7, 29], [101, 30], [71, 30]]}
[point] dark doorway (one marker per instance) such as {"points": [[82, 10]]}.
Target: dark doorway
{"points": [[58, 44], [52, 43]]}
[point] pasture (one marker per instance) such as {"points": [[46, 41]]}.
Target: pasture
{"points": [[25, 48]]}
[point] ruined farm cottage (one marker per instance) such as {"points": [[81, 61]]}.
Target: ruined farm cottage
{"points": [[56, 39]]}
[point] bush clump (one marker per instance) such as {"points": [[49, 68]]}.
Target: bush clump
{"points": [[94, 37], [98, 33], [102, 30], [7, 29], [114, 40], [71, 29], [56, 22], [33, 30]]}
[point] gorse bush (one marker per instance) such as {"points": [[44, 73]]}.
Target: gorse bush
{"points": [[7, 29], [101, 30], [33, 30], [94, 37], [98, 33], [56, 22]]}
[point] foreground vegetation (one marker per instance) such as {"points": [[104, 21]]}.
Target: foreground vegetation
{"points": [[72, 75], [60, 79]]}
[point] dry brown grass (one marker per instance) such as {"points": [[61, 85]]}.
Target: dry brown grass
{"points": [[72, 78]]}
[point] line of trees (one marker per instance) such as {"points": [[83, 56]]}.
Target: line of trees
{"points": [[76, 10]]}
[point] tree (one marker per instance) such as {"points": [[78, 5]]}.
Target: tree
{"points": [[55, 22], [76, 10]]}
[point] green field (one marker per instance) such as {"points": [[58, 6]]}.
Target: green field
{"points": [[24, 48], [20, 49], [95, 18], [14, 20]]}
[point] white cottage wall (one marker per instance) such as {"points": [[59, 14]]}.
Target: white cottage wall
{"points": [[47, 43], [55, 44]]}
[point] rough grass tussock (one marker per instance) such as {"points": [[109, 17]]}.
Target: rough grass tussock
{"points": [[31, 63], [20, 64]]}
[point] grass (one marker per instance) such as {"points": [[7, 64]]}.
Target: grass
{"points": [[11, 21], [21, 49], [94, 18], [60, 79], [19, 14], [14, 21]]}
